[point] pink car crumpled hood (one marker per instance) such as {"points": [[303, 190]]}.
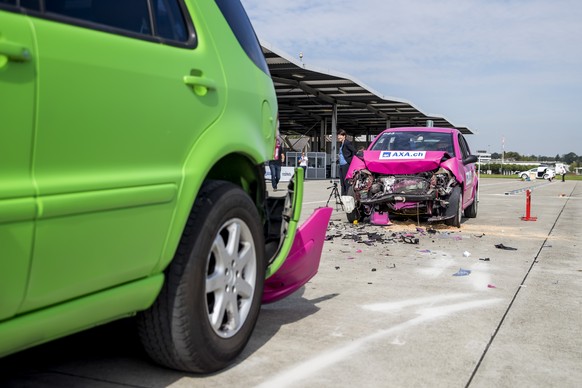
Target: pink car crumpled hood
{"points": [[302, 262], [396, 162]]}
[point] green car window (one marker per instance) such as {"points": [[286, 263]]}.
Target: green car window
{"points": [[28, 4], [169, 20], [166, 21], [240, 24], [130, 15]]}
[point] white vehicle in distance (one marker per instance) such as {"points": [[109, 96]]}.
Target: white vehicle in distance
{"points": [[540, 172]]}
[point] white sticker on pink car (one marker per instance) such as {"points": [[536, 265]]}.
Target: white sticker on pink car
{"points": [[402, 155]]}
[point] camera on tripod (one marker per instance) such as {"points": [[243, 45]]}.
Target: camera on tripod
{"points": [[334, 183], [335, 194]]}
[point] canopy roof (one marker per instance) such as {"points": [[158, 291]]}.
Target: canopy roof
{"points": [[306, 96]]}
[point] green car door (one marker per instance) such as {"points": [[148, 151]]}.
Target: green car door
{"points": [[17, 203], [118, 113]]}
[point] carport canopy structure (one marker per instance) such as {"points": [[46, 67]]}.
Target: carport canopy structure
{"points": [[307, 99]]}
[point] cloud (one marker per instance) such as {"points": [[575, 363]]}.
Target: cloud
{"points": [[513, 57]]}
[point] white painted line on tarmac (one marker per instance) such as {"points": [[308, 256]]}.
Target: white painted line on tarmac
{"points": [[523, 189], [314, 365]]}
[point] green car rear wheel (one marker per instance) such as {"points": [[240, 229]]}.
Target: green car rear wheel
{"points": [[208, 307]]}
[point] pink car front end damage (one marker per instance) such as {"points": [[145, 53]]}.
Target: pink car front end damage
{"points": [[302, 262], [431, 160], [420, 172]]}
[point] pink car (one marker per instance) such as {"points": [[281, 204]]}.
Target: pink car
{"points": [[415, 171]]}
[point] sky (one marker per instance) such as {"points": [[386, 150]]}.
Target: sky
{"points": [[509, 70]]}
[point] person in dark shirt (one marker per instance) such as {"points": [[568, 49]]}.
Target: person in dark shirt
{"points": [[275, 164], [346, 153]]}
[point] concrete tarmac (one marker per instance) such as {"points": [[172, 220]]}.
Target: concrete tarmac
{"points": [[385, 312]]}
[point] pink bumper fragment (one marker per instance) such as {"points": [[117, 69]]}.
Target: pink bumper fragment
{"points": [[380, 218], [303, 260]]}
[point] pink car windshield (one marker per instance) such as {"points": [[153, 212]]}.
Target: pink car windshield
{"points": [[414, 141]]}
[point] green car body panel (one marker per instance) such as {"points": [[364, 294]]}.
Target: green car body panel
{"points": [[103, 155]]}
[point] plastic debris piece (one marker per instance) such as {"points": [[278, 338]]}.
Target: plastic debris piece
{"points": [[375, 236], [462, 272], [337, 267], [359, 251], [373, 269], [466, 254], [501, 246], [410, 240], [485, 259], [491, 286]]}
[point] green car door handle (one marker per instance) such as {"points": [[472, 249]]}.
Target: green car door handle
{"points": [[12, 52], [199, 84]]}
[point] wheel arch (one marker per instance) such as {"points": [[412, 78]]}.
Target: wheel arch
{"points": [[235, 167], [240, 170]]}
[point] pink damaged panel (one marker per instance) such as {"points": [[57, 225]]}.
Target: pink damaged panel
{"points": [[453, 167], [397, 162], [356, 164], [303, 260]]}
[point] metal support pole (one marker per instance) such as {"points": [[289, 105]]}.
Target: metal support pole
{"points": [[322, 136], [334, 142]]}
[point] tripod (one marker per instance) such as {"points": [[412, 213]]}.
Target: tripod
{"points": [[338, 199]]}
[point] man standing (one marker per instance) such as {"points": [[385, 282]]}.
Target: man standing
{"points": [[561, 169], [346, 153], [303, 163], [275, 164]]}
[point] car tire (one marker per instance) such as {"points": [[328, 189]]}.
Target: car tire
{"points": [[455, 208], [210, 301], [354, 215], [523, 176], [471, 210]]}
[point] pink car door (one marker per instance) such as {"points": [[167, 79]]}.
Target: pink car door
{"points": [[470, 173]]}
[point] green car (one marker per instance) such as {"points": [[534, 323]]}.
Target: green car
{"points": [[133, 136]]}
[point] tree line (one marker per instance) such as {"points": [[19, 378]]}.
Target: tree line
{"points": [[568, 158]]}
